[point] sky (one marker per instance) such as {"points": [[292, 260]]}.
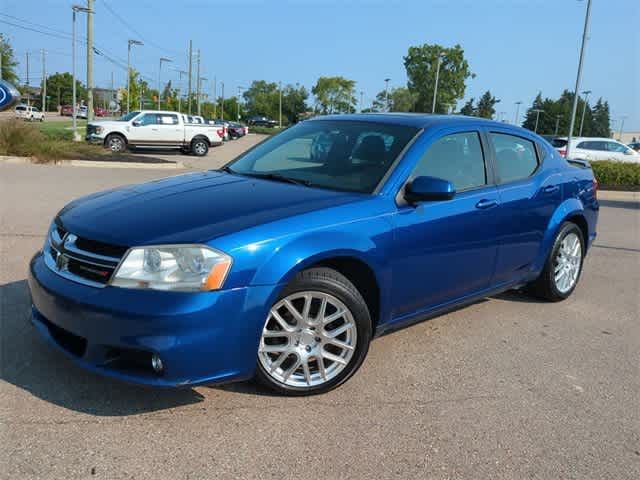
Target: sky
{"points": [[516, 48]]}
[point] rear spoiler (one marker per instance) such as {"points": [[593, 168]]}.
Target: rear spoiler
{"points": [[579, 163]]}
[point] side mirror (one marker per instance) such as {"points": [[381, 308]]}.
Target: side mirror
{"points": [[629, 151], [429, 188], [136, 123]]}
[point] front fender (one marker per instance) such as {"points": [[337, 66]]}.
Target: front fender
{"points": [[567, 209], [301, 252]]}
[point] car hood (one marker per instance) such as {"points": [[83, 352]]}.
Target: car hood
{"points": [[192, 208]]}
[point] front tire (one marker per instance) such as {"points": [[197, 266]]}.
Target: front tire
{"points": [[116, 143], [316, 335], [563, 267]]}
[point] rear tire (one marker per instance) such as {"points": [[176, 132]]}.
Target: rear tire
{"points": [[308, 351], [563, 266], [199, 147]]}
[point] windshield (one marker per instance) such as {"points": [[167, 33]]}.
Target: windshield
{"points": [[334, 154], [128, 116]]}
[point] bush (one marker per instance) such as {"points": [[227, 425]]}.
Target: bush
{"points": [[617, 174], [24, 139]]}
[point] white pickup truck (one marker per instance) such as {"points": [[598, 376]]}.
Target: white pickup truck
{"points": [[155, 129]]}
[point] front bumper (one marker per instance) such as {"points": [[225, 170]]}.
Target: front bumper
{"points": [[95, 138], [203, 337]]}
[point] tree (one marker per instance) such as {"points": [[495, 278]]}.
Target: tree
{"points": [[421, 64], [60, 89], [262, 98], [601, 120], [558, 113], [9, 62], [399, 99], [294, 102], [468, 108], [486, 104], [335, 95]]}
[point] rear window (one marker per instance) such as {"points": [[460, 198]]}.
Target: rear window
{"points": [[21, 109]]}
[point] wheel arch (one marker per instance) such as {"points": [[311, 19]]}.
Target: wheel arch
{"points": [[117, 134], [201, 137]]}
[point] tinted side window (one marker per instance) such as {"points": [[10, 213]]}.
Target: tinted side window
{"points": [[616, 147], [148, 119], [165, 119], [515, 157], [457, 158]]}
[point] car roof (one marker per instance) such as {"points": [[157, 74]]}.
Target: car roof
{"points": [[419, 120]]}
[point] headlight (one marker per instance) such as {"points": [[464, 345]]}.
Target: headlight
{"points": [[173, 267], [99, 130]]}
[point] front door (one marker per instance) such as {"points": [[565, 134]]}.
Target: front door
{"points": [[446, 250]]}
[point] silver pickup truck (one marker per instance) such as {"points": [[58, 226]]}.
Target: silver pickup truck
{"points": [[155, 129]]}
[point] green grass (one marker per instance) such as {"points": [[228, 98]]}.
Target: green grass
{"points": [[62, 130]]}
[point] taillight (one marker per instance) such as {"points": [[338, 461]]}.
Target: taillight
{"points": [[221, 133], [562, 152]]}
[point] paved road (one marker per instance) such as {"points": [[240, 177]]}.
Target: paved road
{"points": [[509, 388]]}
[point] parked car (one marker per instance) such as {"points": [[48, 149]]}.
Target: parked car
{"points": [[236, 130], [154, 129], [284, 269], [599, 148], [635, 146], [66, 111], [222, 123], [262, 122], [100, 112], [29, 113]]}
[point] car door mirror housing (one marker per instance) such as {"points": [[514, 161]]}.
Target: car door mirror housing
{"points": [[136, 123], [429, 188], [628, 152]]}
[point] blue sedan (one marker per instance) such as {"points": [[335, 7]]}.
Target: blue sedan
{"points": [[286, 263]]}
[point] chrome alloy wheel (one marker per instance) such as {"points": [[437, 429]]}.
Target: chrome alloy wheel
{"points": [[308, 339], [567, 263], [200, 148]]}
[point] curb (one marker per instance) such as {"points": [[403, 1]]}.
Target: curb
{"points": [[618, 195], [93, 163]]}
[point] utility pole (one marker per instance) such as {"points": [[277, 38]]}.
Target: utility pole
{"points": [[44, 81], [190, 75], [361, 101], [435, 88], [198, 83], [515, 121], [280, 106], [27, 68], [222, 106], [89, 60], [75, 9], [130, 42], [538, 112], [200, 92], [584, 109], [112, 92], [585, 33], [238, 104], [557, 124], [162, 59], [386, 92], [215, 98]]}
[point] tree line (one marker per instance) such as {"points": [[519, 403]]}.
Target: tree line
{"points": [[337, 94]]}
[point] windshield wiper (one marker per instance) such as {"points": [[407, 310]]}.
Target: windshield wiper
{"points": [[276, 177], [227, 170]]}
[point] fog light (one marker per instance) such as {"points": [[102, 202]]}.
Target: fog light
{"points": [[156, 363]]}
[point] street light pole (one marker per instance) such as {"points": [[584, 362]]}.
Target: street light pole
{"points": [[515, 120], [386, 92], [435, 88], [199, 89], [75, 9], [538, 112], [584, 109], [621, 127], [361, 101], [129, 43], [578, 78], [180, 73], [280, 106], [162, 59], [238, 103], [557, 124]]}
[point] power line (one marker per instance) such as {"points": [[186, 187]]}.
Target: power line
{"points": [[136, 32]]}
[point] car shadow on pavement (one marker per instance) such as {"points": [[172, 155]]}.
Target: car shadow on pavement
{"points": [[28, 363]]}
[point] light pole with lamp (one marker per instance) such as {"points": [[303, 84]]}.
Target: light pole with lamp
{"points": [[538, 112], [572, 122], [435, 87], [386, 92], [584, 109], [130, 42], [180, 73], [162, 59], [75, 9], [515, 120]]}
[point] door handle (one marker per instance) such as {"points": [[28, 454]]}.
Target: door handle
{"points": [[550, 189], [486, 203], [154, 129]]}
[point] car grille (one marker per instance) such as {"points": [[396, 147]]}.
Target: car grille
{"points": [[80, 259]]}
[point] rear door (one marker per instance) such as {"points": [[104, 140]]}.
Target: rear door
{"points": [[168, 130], [529, 195]]}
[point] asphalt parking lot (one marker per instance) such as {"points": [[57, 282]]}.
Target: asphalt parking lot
{"points": [[508, 388]]}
